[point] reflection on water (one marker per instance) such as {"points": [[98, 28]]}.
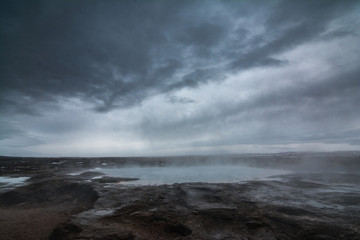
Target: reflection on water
{"points": [[7, 183], [210, 174]]}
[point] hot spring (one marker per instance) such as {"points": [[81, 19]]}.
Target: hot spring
{"points": [[181, 174]]}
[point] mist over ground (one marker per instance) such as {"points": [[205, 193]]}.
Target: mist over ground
{"points": [[160, 78], [339, 162]]}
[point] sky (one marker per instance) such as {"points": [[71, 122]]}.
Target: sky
{"points": [[159, 78]]}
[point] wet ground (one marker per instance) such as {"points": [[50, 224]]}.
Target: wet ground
{"points": [[55, 204]]}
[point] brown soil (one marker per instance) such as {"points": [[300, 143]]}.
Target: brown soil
{"points": [[33, 211], [31, 223]]}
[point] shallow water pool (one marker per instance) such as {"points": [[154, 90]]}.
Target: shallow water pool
{"points": [[176, 174], [8, 183]]}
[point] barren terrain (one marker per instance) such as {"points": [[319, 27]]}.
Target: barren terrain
{"points": [[66, 199]]}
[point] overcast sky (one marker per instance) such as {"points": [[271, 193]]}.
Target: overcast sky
{"points": [[138, 78]]}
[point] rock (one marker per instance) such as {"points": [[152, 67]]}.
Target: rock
{"points": [[117, 236], [42, 177], [65, 231], [113, 179], [51, 192], [177, 228], [209, 211]]}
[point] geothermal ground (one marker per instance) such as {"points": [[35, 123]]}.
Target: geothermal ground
{"points": [[277, 196]]}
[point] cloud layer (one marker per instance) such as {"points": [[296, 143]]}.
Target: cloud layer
{"points": [[178, 77]]}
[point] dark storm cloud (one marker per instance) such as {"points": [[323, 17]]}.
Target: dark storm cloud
{"points": [[97, 50], [321, 109], [115, 54], [336, 91], [204, 34], [200, 73], [290, 24], [196, 78], [110, 53]]}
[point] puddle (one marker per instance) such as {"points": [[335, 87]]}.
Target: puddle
{"points": [[8, 183]]}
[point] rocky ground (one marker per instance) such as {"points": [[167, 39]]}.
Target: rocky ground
{"points": [[55, 205]]}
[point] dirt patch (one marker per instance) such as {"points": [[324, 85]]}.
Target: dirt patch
{"points": [[33, 211], [31, 223]]}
